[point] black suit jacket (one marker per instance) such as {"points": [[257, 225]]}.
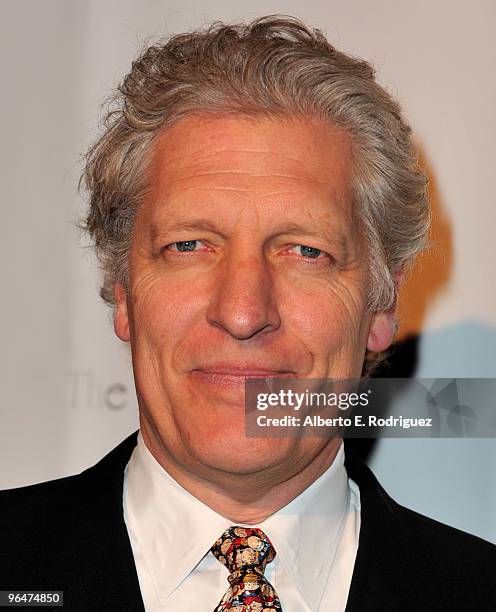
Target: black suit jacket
{"points": [[70, 535]]}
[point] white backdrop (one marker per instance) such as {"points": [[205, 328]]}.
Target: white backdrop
{"points": [[67, 391]]}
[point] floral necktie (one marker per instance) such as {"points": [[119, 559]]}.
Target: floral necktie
{"points": [[245, 552]]}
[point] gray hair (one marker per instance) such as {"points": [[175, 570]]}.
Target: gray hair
{"points": [[273, 65]]}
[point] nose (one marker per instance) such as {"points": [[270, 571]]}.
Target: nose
{"points": [[243, 300]]}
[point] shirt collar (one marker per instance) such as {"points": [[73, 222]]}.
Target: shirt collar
{"points": [[305, 533], [160, 512]]}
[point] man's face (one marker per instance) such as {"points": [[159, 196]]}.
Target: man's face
{"points": [[246, 261]]}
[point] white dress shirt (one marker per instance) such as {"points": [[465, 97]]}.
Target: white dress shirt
{"points": [[315, 537]]}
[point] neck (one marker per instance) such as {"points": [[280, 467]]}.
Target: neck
{"points": [[245, 498]]}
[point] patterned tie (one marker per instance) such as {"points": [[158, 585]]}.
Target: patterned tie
{"points": [[245, 552]]}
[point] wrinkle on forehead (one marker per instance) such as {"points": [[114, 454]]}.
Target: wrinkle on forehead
{"points": [[205, 153], [247, 145], [263, 185], [266, 157]]}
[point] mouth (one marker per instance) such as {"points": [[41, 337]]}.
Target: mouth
{"points": [[230, 376]]}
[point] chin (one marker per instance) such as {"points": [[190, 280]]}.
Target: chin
{"points": [[240, 455]]}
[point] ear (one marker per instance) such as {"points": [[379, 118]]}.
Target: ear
{"points": [[121, 319], [383, 324]]}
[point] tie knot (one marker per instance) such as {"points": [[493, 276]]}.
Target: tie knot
{"points": [[245, 551], [243, 548]]}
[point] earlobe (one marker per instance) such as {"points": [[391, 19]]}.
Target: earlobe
{"points": [[383, 325], [382, 330], [121, 319]]}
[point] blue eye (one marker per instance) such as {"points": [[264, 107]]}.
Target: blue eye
{"points": [[307, 251], [185, 245]]}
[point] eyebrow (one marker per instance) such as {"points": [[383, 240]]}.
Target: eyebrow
{"points": [[298, 230], [156, 231]]}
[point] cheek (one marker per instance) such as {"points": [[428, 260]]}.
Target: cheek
{"points": [[328, 319], [163, 312]]}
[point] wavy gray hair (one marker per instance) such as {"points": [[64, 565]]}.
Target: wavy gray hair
{"points": [[273, 65]]}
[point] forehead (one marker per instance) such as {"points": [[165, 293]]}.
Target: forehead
{"points": [[309, 148], [208, 162]]}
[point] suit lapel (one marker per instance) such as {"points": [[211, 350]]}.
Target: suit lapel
{"points": [[108, 579], [387, 574]]}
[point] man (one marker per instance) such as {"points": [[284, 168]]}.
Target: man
{"points": [[254, 202]]}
